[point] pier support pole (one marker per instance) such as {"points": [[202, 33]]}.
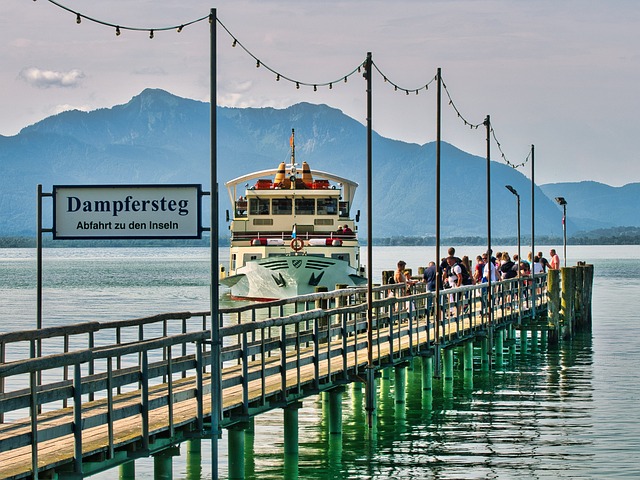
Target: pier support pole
{"points": [[128, 471], [163, 464], [447, 353], [553, 304], [534, 340], [427, 373], [194, 459], [524, 341], [335, 410], [468, 356], [499, 348], [484, 354], [400, 383], [236, 451], [291, 428]]}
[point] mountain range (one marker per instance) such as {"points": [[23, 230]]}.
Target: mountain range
{"points": [[159, 138]]}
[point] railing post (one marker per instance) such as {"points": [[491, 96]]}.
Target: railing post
{"points": [[77, 419]]}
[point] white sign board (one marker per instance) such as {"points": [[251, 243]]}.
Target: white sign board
{"points": [[126, 211]]}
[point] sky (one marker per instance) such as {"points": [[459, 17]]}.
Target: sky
{"points": [[563, 75]]}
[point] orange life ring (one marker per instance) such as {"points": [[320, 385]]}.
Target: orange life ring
{"points": [[297, 244]]}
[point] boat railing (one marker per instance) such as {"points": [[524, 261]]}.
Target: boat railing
{"points": [[287, 236]]}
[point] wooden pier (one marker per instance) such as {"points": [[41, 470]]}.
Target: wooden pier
{"points": [[84, 398]]}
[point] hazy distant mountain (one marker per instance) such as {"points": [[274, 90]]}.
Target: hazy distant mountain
{"points": [[159, 138], [592, 205]]}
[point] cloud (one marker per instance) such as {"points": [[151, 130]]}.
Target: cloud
{"points": [[49, 78]]}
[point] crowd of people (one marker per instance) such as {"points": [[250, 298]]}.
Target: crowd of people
{"points": [[456, 272]]}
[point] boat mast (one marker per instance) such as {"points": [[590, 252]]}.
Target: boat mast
{"points": [[293, 148]]}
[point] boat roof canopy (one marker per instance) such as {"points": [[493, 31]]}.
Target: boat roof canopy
{"points": [[348, 186]]}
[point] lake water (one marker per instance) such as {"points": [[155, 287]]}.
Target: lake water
{"points": [[570, 412]]}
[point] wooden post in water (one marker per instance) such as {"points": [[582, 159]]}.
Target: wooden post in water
{"points": [[236, 451], [128, 471], [335, 410], [568, 287], [291, 429], [447, 353], [578, 297], [400, 382], [553, 304], [588, 291], [427, 373]]}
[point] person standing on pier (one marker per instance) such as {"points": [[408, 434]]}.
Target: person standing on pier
{"points": [[554, 264]]}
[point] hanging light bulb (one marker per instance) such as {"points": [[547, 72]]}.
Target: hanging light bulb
{"points": [[358, 68], [117, 31], [150, 33], [180, 28], [345, 79], [395, 88], [277, 77], [298, 85], [407, 91], [416, 92], [78, 19], [257, 63], [315, 88], [330, 86], [235, 42], [385, 79]]}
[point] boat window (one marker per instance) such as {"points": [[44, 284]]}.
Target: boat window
{"points": [[341, 256], [258, 206], [281, 206], [305, 206], [247, 257], [327, 206]]}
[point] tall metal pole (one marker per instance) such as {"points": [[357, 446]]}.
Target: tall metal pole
{"points": [[216, 373], [519, 260], [533, 225], [370, 387], [437, 259], [39, 259], [487, 124]]}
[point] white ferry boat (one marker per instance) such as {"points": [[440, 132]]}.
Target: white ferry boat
{"points": [[292, 232]]}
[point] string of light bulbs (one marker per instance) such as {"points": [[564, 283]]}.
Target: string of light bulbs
{"points": [[504, 157], [492, 130], [280, 76], [397, 87], [119, 28]]}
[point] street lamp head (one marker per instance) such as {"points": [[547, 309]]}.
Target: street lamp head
{"points": [[561, 201], [512, 190]]}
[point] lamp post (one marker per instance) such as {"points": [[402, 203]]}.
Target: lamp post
{"points": [[515, 192], [561, 201]]}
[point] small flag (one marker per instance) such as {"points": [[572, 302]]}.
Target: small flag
{"points": [[563, 220], [293, 232], [291, 140]]}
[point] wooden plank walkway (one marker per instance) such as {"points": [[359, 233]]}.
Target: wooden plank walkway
{"points": [[266, 364]]}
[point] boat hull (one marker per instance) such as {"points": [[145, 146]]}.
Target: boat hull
{"points": [[291, 276]]}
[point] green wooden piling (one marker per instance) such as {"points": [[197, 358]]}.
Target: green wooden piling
{"points": [[335, 410], [427, 373], [578, 296], [128, 471], [534, 340], [194, 459], [236, 451], [499, 346], [291, 428], [447, 353], [468, 356], [484, 354], [553, 304], [400, 383], [163, 466]]}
